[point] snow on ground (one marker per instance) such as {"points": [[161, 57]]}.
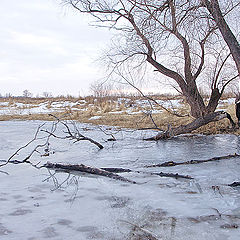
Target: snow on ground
{"points": [[23, 109], [224, 103], [228, 101], [95, 117], [18, 108], [175, 103], [3, 103], [131, 107], [45, 107], [87, 207]]}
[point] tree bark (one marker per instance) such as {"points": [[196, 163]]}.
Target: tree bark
{"points": [[188, 87], [172, 164], [86, 169], [211, 117], [213, 101], [195, 100], [228, 36]]}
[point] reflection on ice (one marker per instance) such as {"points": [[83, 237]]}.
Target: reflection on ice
{"points": [[60, 205]]}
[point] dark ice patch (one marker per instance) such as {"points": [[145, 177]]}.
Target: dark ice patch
{"points": [[20, 212], [64, 222], [96, 235], [4, 231], [3, 199], [119, 202], [20, 201], [87, 229], [35, 189], [49, 232], [17, 196]]}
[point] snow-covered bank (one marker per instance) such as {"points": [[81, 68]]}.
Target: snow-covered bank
{"points": [[130, 106]]}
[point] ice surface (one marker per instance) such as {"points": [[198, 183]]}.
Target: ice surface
{"points": [[91, 207]]}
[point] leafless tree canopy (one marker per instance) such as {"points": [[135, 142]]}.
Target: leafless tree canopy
{"points": [[213, 7], [179, 39]]}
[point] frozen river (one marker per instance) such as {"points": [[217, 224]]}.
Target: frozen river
{"points": [[40, 204]]}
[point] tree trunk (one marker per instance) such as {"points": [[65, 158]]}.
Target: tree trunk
{"points": [[188, 87], [195, 100], [228, 36], [213, 101], [201, 121]]}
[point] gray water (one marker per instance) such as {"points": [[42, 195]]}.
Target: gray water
{"points": [[90, 207]]}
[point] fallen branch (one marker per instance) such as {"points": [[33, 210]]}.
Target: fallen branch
{"points": [[25, 146], [172, 175], [70, 134], [86, 169], [161, 174], [211, 117], [171, 163], [117, 170], [234, 184]]}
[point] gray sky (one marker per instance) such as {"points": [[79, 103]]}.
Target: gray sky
{"points": [[47, 47]]}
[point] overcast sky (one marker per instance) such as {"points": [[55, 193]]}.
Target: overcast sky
{"points": [[45, 46]]}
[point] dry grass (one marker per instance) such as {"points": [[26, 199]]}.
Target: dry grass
{"points": [[104, 108]]}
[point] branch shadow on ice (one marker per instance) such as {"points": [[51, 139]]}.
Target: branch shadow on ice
{"points": [[63, 182]]}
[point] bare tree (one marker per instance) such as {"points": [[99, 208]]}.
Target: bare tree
{"points": [[100, 90], [174, 37], [47, 94], [27, 94], [232, 42]]}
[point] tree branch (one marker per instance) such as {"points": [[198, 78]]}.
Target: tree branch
{"points": [[172, 164]]}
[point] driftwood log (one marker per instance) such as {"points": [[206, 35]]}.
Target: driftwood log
{"points": [[107, 172], [86, 169], [161, 174], [171, 163]]}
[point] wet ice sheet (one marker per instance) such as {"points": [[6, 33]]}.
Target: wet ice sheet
{"points": [[101, 208]]}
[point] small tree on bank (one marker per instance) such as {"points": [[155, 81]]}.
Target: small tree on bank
{"points": [[176, 38], [27, 94]]}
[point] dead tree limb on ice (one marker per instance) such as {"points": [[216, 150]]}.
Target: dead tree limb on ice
{"points": [[161, 174], [234, 184], [85, 169], [43, 136], [10, 159], [171, 163], [74, 135]]}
